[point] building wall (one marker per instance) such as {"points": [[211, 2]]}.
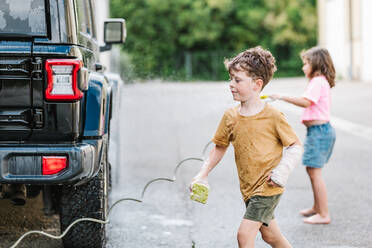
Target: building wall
{"points": [[366, 44], [343, 30], [334, 38]]}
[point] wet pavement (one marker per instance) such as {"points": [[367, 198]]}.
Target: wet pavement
{"points": [[14, 221], [163, 123]]}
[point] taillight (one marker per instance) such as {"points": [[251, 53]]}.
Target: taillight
{"points": [[62, 79], [53, 164]]}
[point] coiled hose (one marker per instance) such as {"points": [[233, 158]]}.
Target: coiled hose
{"points": [[116, 202]]}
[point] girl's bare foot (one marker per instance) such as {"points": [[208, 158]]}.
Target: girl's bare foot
{"points": [[308, 212], [317, 219]]}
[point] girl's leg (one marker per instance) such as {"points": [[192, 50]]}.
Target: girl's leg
{"points": [[247, 233], [320, 197], [271, 234], [310, 211]]}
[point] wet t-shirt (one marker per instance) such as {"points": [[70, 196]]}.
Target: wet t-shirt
{"points": [[258, 142]]}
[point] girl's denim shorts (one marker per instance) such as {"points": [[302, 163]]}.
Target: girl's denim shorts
{"points": [[318, 147]]}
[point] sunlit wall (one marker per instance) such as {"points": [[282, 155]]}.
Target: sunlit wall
{"points": [[344, 29], [366, 46]]}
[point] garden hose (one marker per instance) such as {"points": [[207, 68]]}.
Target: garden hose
{"points": [[174, 178]]}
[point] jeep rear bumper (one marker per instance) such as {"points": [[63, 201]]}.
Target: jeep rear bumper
{"points": [[23, 163]]}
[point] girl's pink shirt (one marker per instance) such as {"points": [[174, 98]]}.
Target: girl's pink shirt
{"points": [[318, 92]]}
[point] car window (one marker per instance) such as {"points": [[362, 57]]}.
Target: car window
{"points": [[23, 17], [84, 17]]}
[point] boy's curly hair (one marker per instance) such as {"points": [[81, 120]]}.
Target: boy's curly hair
{"points": [[258, 63]]}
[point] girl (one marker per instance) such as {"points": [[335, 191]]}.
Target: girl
{"points": [[320, 138]]}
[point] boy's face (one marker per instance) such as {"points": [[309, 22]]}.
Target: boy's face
{"points": [[306, 68], [242, 86]]}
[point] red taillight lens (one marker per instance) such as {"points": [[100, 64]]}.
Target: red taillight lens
{"points": [[53, 164], [62, 79]]}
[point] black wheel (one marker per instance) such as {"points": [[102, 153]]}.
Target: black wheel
{"points": [[33, 191], [88, 200]]}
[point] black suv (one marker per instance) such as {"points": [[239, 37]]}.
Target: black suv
{"points": [[55, 111]]}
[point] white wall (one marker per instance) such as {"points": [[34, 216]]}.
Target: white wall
{"points": [[366, 45], [345, 30], [336, 35]]}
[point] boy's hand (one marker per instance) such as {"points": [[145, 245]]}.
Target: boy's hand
{"points": [[275, 96], [198, 178], [271, 182]]}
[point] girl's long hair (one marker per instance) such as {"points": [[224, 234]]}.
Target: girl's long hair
{"points": [[321, 63]]}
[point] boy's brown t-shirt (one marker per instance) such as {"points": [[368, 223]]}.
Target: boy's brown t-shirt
{"points": [[258, 142]]}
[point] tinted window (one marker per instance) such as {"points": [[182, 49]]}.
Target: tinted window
{"points": [[23, 16]]}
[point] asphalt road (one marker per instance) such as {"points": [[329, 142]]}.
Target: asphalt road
{"points": [[162, 123]]}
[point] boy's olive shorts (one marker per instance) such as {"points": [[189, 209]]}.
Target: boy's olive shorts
{"points": [[261, 208]]}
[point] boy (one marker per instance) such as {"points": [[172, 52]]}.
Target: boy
{"points": [[258, 133]]}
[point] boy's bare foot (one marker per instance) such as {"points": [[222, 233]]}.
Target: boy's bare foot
{"points": [[317, 219], [307, 212]]}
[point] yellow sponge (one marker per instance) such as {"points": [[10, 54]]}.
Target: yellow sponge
{"points": [[199, 192]]}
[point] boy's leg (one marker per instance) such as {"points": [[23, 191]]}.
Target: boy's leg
{"points": [[272, 235], [247, 233]]}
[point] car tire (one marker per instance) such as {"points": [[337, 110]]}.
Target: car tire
{"points": [[87, 200]]}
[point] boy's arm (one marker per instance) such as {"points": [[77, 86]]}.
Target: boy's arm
{"points": [[291, 157], [214, 158]]}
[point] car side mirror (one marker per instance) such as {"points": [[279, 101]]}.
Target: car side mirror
{"points": [[115, 32]]}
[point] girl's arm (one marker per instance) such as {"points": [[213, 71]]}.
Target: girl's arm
{"points": [[214, 158], [298, 101]]}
